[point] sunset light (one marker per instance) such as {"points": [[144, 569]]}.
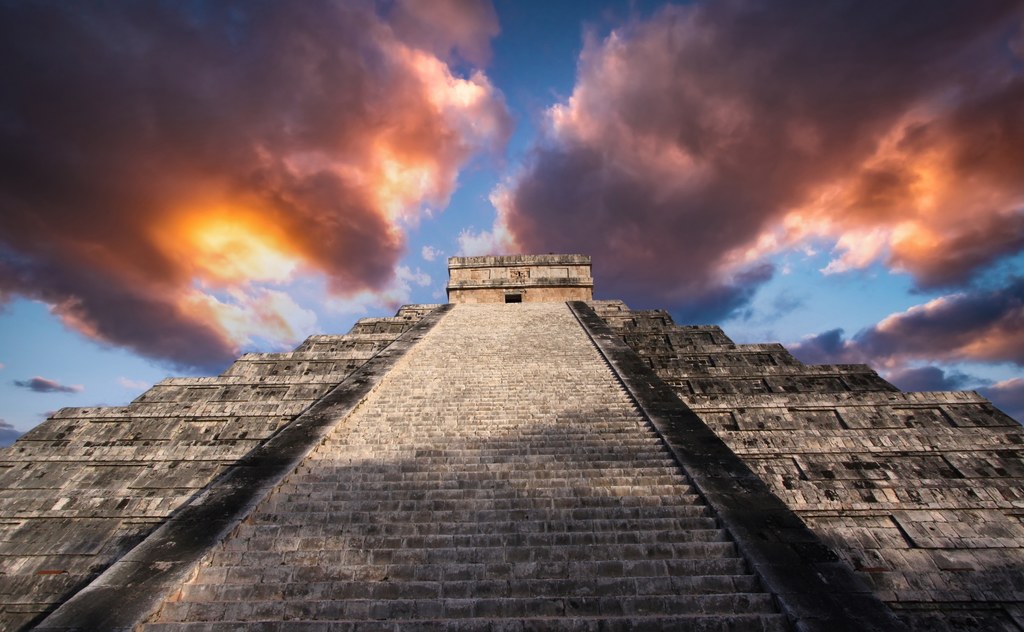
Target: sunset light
{"points": [[230, 247], [356, 313]]}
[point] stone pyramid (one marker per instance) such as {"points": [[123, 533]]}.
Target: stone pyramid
{"points": [[521, 458]]}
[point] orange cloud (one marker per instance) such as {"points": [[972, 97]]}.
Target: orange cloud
{"points": [[700, 142], [169, 195], [939, 198], [225, 247], [251, 314]]}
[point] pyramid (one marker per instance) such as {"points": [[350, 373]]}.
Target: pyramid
{"points": [[523, 457]]}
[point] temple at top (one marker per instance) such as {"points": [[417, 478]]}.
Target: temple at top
{"points": [[519, 279], [562, 463]]}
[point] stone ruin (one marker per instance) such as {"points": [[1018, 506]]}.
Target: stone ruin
{"points": [[560, 463]]}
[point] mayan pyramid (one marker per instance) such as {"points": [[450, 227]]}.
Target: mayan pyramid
{"points": [[523, 457]]}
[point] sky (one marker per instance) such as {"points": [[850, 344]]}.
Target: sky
{"points": [[182, 182]]}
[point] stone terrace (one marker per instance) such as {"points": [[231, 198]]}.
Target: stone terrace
{"points": [[81, 489], [922, 493], [498, 476]]}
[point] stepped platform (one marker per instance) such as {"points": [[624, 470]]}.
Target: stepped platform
{"points": [[504, 464], [498, 476]]}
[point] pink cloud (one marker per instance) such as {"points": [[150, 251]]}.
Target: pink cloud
{"points": [[1008, 395], [170, 171], [45, 385], [700, 142], [975, 326]]}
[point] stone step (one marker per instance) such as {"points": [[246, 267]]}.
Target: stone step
{"points": [[602, 450], [541, 459], [518, 503], [390, 478], [346, 471], [397, 608], [466, 508], [482, 502], [319, 464], [439, 445], [246, 566], [620, 518], [480, 589], [224, 572], [484, 555], [263, 538], [498, 478], [582, 430], [334, 523], [673, 623], [489, 489]]}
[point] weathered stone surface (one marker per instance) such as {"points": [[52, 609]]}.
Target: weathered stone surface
{"points": [[81, 489], [499, 476], [813, 587], [519, 279], [923, 493]]}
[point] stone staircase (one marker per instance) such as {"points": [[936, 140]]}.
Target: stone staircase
{"points": [[921, 493], [497, 478]]}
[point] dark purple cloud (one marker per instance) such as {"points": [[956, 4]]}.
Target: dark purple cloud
{"points": [[155, 154], [828, 347], [44, 385], [1008, 396], [702, 139], [833, 347], [979, 325], [976, 325], [8, 434], [929, 378], [461, 27]]}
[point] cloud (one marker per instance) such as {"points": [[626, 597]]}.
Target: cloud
{"points": [[131, 384], [828, 347], [462, 27], [44, 385], [429, 253], [701, 141], [1008, 395], [418, 277], [981, 325], [929, 378], [171, 171], [8, 434], [392, 296], [785, 303], [262, 315], [866, 347], [397, 294], [474, 242], [977, 325], [496, 241]]}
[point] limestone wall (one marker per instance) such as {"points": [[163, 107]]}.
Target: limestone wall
{"points": [[519, 278], [82, 488], [498, 478], [922, 493], [536, 294]]}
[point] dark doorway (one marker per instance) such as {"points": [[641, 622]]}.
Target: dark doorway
{"points": [[513, 298]]}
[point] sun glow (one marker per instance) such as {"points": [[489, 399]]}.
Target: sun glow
{"points": [[401, 186], [240, 266], [226, 247]]}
